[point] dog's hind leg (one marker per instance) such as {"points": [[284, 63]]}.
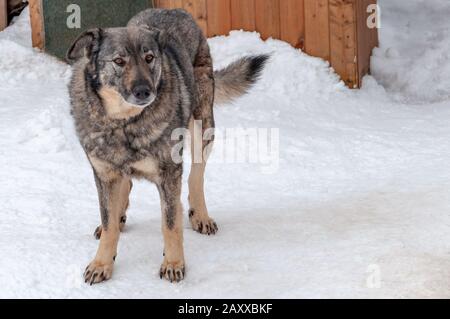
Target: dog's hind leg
{"points": [[125, 194], [202, 134], [111, 185]]}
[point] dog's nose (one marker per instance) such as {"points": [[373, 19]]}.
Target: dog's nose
{"points": [[141, 92]]}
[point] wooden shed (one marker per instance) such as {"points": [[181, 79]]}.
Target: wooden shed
{"points": [[342, 32], [335, 30]]}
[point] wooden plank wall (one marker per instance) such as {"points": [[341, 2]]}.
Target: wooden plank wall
{"points": [[3, 15], [335, 30], [281, 19]]}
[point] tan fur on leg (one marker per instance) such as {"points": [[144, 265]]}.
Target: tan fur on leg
{"points": [[125, 194], [112, 190], [203, 114], [198, 212], [173, 267]]}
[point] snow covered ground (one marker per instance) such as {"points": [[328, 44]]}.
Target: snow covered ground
{"points": [[358, 207]]}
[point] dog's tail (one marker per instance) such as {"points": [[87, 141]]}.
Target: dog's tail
{"points": [[237, 78]]}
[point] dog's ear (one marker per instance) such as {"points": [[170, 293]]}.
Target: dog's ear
{"points": [[161, 37], [87, 43]]}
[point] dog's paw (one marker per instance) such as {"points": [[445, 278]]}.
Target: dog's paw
{"points": [[202, 225], [173, 272], [97, 272], [98, 230]]}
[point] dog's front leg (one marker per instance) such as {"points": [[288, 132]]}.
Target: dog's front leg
{"points": [[172, 268], [110, 186]]}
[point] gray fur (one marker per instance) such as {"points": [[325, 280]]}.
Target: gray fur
{"points": [[231, 82]]}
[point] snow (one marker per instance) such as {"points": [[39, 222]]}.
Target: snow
{"points": [[356, 206], [412, 61]]}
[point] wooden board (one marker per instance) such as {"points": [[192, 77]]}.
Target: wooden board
{"points": [[219, 17], [169, 4], [292, 19], [37, 24], [367, 38], [243, 15], [178, 3], [3, 15], [343, 45], [268, 18], [164, 4], [317, 28]]}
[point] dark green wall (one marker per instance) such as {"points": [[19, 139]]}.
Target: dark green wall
{"points": [[94, 13]]}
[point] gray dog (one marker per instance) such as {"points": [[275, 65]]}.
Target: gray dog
{"points": [[131, 88]]}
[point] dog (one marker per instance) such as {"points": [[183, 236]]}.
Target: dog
{"points": [[131, 88]]}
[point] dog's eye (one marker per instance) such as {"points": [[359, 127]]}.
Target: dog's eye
{"points": [[119, 61], [149, 58]]}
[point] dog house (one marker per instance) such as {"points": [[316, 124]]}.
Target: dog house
{"points": [[342, 32], [56, 24]]}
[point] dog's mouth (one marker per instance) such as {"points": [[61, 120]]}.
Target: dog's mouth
{"points": [[141, 103], [119, 107]]}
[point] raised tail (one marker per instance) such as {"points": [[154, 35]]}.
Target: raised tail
{"points": [[237, 78]]}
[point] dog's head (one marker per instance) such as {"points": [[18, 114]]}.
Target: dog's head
{"points": [[124, 65]]}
